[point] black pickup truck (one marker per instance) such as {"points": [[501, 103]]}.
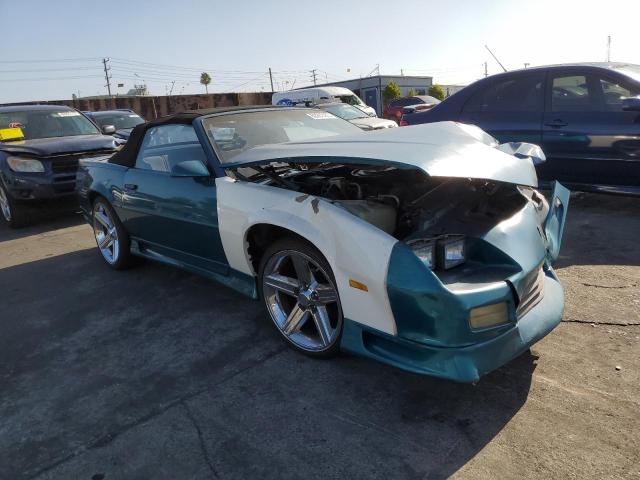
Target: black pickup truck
{"points": [[40, 147]]}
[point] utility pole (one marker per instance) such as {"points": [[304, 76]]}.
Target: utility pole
{"points": [[526, 64], [271, 79], [608, 48], [172, 84], [107, 77], [486, 73], [314, 75], [495, 58]]}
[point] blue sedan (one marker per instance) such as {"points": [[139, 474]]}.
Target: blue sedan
{"points": [[586, 118]]}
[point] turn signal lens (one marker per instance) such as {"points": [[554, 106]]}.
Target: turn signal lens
{"points": [[489, 316]]}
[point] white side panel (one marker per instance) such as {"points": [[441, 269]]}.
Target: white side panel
{"points": [[354, 249]]}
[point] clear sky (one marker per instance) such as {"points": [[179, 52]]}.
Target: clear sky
{"points": [[53, 48]]}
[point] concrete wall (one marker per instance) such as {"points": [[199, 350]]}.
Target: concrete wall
{"points": [[154, 107]]}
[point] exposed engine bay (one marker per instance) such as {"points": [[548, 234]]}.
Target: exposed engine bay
{"points": [[407, 203]]}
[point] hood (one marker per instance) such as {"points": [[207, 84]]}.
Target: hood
{"points": [[372, 123], [123, 133], [44, 147], [443, 149]]}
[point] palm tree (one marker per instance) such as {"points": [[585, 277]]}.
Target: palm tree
{"points": [[205, 79]]}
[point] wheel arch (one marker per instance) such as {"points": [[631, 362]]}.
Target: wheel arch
{"points": [[259, 236]]}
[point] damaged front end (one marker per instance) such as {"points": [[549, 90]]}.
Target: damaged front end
{"points": [[469, 279]]}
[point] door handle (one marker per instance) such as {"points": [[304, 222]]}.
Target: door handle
{"points": [[130, 187], [557, 123]]}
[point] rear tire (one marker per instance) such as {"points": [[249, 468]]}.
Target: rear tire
{"points": [[112, 239], [15, 214], [299, 291]]}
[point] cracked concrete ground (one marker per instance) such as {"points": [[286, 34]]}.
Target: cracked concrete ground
{"points": [[155, 373]]}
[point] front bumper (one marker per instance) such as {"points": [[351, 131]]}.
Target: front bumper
{"points": [[29, 187], [467, 363]]}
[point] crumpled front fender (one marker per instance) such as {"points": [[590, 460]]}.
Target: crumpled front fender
{"points": [[554, 224]]}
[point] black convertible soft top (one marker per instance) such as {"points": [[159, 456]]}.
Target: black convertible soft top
{"points": [[127, 156]]}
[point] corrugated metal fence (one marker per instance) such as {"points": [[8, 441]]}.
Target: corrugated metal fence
{"points": [[153, 107]]}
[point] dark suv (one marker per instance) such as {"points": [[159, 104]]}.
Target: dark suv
{"points": [[123, 120], [586, 118], [40, 147]]}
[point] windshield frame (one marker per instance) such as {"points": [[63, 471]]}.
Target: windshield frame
{"points": [[630, 71], [229, 163]]}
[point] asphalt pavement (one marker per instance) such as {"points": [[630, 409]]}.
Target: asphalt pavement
{"points": [[155, 373]]}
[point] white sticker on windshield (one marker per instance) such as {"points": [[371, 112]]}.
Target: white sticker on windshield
{"points": [[320, 115], [66, 114]]}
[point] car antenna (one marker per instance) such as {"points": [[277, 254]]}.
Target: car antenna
{"points": [[495, 58]]}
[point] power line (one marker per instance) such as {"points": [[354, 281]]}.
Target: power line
{"points": [[85, 59], [39, 70], [77, 77]]}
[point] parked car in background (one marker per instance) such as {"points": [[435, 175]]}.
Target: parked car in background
{"points": [[420, 107], [356, 116], [122, 119], [39, 150], [393, 110], [426, 248], [586, 118], [317, 95]]}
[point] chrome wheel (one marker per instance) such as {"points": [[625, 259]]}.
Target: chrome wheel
{"points": [[4, 205], [302, 300], [106, 233]]}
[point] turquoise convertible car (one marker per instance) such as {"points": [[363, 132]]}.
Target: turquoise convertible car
{"points": [[427, 247]]}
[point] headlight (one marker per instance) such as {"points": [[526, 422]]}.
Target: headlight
{"points": [[442, 252], [26, 165], [451, 251], [424, 250]]}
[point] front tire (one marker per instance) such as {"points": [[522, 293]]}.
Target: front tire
{"points": [[299, 291], [111, 237], [15, 214]]}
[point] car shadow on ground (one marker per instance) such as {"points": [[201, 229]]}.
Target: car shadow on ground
{"points": [[601, 230], [95, 365], [43, 221]]}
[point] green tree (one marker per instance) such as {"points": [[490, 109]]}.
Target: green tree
{"points": [[391, 92], [436, 91], [205, 79], [412, 92]]}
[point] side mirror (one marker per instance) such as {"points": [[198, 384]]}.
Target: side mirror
{"points": [[631, 104], [108, 129], [190, 168], [524, 150]]}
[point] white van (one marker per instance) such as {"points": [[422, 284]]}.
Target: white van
{"points": [[317, 95]]}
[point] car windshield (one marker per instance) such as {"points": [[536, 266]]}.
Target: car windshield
{"points": [[632, 71], [344, 111], [121, 121], [234, 133], [48, 123], [351, 99]]}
